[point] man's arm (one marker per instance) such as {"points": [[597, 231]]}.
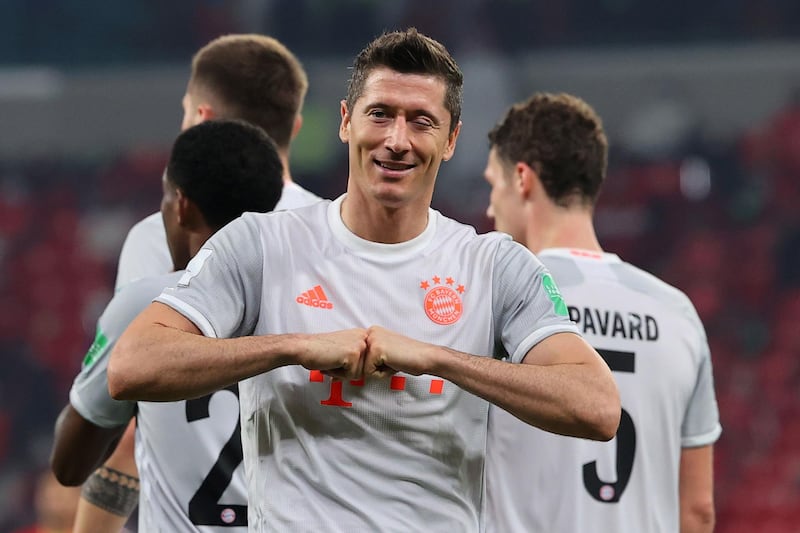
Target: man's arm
{"points": [[111, 493], [80, 446], [562, 385], [697, 490], [163, 356]]}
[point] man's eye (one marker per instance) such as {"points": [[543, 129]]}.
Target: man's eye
{"points": [[377, 113]]}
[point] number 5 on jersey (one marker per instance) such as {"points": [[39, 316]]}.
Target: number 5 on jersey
{"points": [[605, 491]]}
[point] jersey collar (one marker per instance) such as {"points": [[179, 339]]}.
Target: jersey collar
{"points": [[578, 253], [376, 250]]}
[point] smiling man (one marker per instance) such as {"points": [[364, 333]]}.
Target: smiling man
{"points": [[369, 332]]}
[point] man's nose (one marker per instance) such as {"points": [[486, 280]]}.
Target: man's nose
{"points": [[397, 138]]}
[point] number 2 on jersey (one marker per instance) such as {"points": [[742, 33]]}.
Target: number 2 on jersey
{"points": [[204, 507], [604, 491]]}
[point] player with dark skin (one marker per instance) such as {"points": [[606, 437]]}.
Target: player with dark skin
{"points": [[217, 170]]}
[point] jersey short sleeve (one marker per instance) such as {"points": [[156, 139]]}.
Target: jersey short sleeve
{"points": [[701, 424], [224, 280], [520, 301], [89, 393]]}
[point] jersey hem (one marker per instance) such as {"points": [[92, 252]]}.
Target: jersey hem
{"points": [[702, 440], [98, 420], [538, 336], [189, 312]]}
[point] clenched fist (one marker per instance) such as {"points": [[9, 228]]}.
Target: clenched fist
{"points": [[339, 354], [389, 352]]}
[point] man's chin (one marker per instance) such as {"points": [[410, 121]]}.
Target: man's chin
{"points": [[391, 197]]}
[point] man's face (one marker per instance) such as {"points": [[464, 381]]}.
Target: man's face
{"points": [[398, 134], [177, 240], [506, 205]]}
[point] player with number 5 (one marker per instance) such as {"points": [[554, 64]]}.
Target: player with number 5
{"points": [[546, 164]]}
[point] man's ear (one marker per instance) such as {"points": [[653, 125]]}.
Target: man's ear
{"points": [[451, 143], [344, 126], [206, 112], [526, 180], [187, 210], [298, 123]]}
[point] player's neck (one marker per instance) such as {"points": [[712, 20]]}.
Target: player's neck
{"points": [[375, 222], [284, 157], [563, 229], [198, 239]]}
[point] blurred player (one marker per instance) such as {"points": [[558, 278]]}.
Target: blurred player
{"points": [[397, 441], [241, 76], [546, 165], [188, 453]]}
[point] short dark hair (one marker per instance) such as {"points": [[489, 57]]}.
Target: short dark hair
{"points": [[255, 78], [562, 138], [409, 52], [226, 167]]}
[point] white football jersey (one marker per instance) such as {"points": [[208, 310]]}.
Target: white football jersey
{"points": [[400, 454], [653, 341], [145, 253], [89, 393], [188, 453]]}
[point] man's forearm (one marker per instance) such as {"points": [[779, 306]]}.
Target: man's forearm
{"points": [[697, 489], [79, 446], [108, 498], [570, 399], [159, 363]]}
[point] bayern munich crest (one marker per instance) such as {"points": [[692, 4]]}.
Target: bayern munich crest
{"points": [[228, 515], [443, 300]]}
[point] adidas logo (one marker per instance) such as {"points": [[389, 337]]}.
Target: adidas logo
{"points": [[315, 298]]}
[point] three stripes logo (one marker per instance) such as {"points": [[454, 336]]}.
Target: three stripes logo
{"points": [[315, 297]]}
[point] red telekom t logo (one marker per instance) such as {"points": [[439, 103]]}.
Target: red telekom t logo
{"points": [[336, 399]]}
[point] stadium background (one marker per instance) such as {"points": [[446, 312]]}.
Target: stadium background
{"points": [[701, 101]]}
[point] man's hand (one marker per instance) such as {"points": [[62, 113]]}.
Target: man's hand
{"points": [[389, 352], [339, 354]]}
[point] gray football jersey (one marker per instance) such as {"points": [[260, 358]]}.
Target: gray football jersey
{"points": [[399, 454], [89, 393], [188, 453], [654, 342]]}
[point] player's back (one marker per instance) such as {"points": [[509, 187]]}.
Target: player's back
{"points": [[189, 455], [186, 452], [651, 337]]}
